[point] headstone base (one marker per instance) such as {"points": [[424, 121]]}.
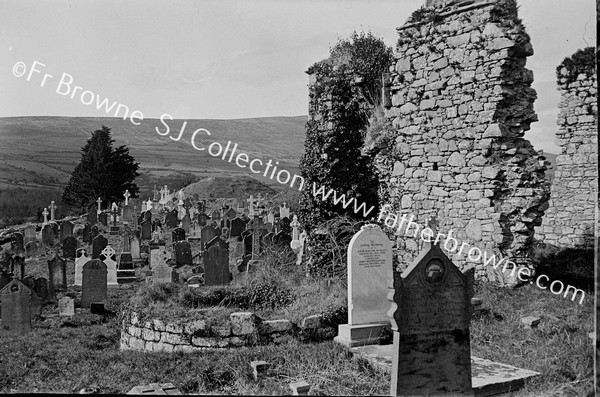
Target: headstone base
{"points": [[360, 335], [114, 230], [126, 276]]}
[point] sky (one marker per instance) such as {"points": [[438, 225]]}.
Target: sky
{"points": [[226, 59]]}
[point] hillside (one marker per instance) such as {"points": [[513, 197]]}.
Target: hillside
{"points": [[42, 151]]}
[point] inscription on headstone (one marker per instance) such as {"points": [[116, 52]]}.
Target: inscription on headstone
{"points": [[93, 288]]}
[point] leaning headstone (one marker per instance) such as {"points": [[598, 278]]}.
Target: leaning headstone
{"points": [[431, 309], [108, 257], [183, 253], [98, 244], [93, 288], [216, 262], [66, 306], [16, 309], [80, 260], [69, 247], [369, 269]]}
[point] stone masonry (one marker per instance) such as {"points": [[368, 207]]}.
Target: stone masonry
{"points": [[457, 103], [569, 220]]}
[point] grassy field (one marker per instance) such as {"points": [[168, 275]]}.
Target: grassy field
{"points": [[65, 355]]}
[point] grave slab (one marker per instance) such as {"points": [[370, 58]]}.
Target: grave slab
{"points": [[488, 378]]}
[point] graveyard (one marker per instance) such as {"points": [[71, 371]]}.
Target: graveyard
{"points": [[418, 244]]}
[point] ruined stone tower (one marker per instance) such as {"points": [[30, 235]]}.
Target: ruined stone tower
{"points": [[569, 220], [457, 103]]}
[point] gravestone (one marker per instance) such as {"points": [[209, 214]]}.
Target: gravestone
{"points": [[17, 266], [216, 262], [282, 239], [103, 218], [98, 244], [4, 278], [94, 232], [80, 260], [94, 280], [134, 246], [57, 273], [125, 270], [186, 223], [66, 230], [285, 225], [207, 233], [128, 213], [41, 288], [16, 308], [48, 235], [108, 257], [36, 302], [431, 309], [87, 231], [92, 216], [183, 253], [155, 250], [369, 269], [33, 248], [69, 244], [146, 230], [162, 273], [29, 234], [171, 220], [284, 211], [147, 216], [178, 234], [17, 243], [203, 219], [216, 215], [66, 307]]}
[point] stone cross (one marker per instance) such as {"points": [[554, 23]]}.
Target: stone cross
{"points": [[187, 205], [52, 209], [295, 228], [45, 213], [251, 206], [126, 195], [255, 226], [114, 212], [99, 201]]}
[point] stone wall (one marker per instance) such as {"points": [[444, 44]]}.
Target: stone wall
{"points": [[458, 101], [242, 329], [569, 220]]}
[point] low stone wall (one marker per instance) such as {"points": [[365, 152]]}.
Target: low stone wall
{"points": [[242, 329]]}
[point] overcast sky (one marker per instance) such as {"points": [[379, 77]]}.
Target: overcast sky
{"points": [[228, 59]]}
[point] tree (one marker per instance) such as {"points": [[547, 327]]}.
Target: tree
{"points": [[103, 171]]}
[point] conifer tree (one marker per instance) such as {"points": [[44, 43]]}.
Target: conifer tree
{"points": [[103, 171]]}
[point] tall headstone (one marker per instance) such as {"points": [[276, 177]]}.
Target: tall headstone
{"points": [[87, 231], [16, 309], [108, 257], [216, 262], [17, 266], [146, 230], [431, 309], [92, 215], [80, 260], [237, 227], [94, 288], [171, 220], [103, 218], [134, 246], [48, 235]]}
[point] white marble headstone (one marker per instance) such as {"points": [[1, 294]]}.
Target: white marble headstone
{"points": [[111, 265]]}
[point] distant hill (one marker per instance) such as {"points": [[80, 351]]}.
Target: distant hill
{"points": [[43, 151]]}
